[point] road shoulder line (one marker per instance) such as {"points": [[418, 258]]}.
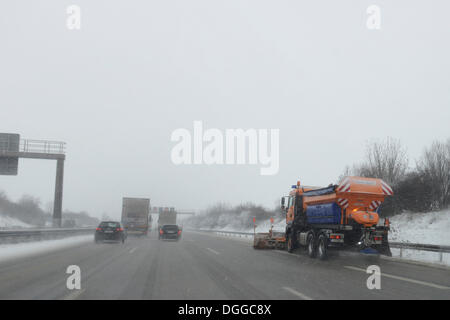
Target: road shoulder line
{"points": [[296, 293], [213, 251], [74, 295], [423, 283]]}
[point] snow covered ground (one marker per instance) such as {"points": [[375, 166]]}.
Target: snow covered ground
{"points": [[7, 222], [12, 251], [429, 228], [16, 250]]}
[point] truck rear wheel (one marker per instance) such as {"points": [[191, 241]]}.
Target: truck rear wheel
{"points": [[311, 246], [322, 247]]}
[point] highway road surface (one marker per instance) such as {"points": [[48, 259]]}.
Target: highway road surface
{"points": [[208, 266]]}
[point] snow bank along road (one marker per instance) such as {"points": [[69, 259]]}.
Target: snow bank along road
{"points": [[207, 266]]}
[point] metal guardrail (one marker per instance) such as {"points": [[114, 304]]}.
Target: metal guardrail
{"points": [[420, 247], [23, 235], [229, 232], [398, 245]]}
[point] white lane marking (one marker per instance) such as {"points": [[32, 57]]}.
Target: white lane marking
{"points": [[423, 283], [74, 295], [133, 250], [213, 251], [298, 294]]}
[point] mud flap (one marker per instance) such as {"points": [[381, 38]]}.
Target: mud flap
{"points": [[385, 250]]}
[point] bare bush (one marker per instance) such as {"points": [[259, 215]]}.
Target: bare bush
{"points": [[413, 193], [424, 188], [386, 160], [28, 209], [222, 216], [435, 165]]}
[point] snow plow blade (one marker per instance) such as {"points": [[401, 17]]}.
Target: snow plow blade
{"points": [[269, 240]]}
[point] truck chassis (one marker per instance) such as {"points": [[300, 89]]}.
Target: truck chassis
{"points": [[318, 239]]}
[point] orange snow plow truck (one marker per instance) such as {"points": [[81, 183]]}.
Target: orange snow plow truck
{"points": [[343, 216]]}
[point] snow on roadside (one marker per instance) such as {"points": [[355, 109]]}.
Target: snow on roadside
{"points": [[10, 223], [13, 251], [422, 256], [427, 228]]}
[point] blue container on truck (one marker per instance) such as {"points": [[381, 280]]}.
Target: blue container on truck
{"points": [[328, 213]]}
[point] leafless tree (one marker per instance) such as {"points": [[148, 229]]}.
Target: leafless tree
{"points": [[347, 172], [435, 164], [386, 160], [238, 217]]}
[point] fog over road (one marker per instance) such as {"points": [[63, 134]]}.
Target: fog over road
{"points": [[207, 266]]}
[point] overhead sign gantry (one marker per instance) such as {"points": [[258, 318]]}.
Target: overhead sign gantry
{"points": [[12, 148]]}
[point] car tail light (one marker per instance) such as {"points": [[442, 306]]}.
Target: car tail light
{"points": [[119, 229], [377, 238], [98, 229], [335, 236]]}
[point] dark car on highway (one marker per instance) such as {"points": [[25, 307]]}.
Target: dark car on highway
{"points": [[110, 231], [169, 232]]}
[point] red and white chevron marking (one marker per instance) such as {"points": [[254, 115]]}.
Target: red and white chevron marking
{"points": [[344, 186], [343, 202], [374, 204], [386, 189]]}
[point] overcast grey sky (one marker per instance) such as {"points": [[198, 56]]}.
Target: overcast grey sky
{"points": [[115, 90]]}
